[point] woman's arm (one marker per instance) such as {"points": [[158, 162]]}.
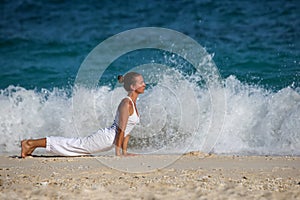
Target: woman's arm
{"points": [[123, 119], [119, 141], [124, 147], [125, 143]]}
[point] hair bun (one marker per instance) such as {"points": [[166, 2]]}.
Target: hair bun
{"points": [[120, 78]]}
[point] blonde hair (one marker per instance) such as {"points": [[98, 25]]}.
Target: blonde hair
{"points": [[128, 80]]}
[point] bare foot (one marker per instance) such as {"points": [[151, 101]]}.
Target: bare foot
{"points": [[26, 148]]}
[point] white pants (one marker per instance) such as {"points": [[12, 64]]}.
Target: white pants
{"points": [[100, 141]]}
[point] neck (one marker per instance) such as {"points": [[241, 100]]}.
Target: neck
{"points": [[133, 96]]}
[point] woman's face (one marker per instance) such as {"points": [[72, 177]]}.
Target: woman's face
{"points": [[139, 85]]}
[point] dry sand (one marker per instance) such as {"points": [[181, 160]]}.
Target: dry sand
{"points": [[192, 176]]}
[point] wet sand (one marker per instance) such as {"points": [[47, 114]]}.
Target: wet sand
{"points": [[192, 176]]}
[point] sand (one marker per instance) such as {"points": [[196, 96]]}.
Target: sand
{"points": [[191, 176]]}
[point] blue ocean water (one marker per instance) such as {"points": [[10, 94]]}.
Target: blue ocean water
{"points": [[254, 44]]}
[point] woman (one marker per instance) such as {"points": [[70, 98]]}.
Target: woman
{"points": [[118, 134]]}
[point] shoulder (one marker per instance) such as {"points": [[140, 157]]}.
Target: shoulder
{"points": [[125, 103]]}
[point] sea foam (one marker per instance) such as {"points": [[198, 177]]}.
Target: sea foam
{"points": [[176, 116]]}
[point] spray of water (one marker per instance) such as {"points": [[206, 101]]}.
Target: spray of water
{"points": [[175, 113]]}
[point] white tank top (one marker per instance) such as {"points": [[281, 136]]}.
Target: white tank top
{"points": [[132, 120]]}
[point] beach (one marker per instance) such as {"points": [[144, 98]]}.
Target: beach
{"points": [[191, 176], [221, 76]]}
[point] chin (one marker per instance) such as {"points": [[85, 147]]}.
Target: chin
{"points": [[140, 91]]}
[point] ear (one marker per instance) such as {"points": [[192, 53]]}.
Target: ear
{"points": [[132, 87]]}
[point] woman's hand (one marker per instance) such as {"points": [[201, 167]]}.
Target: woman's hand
{"points": [[126, 154], [118, 154], [130, 154]]}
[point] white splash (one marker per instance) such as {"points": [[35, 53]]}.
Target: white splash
{"points": [[175, 114]]}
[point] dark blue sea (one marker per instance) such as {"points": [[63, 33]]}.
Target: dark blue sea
{"points": [[255, 46]]}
